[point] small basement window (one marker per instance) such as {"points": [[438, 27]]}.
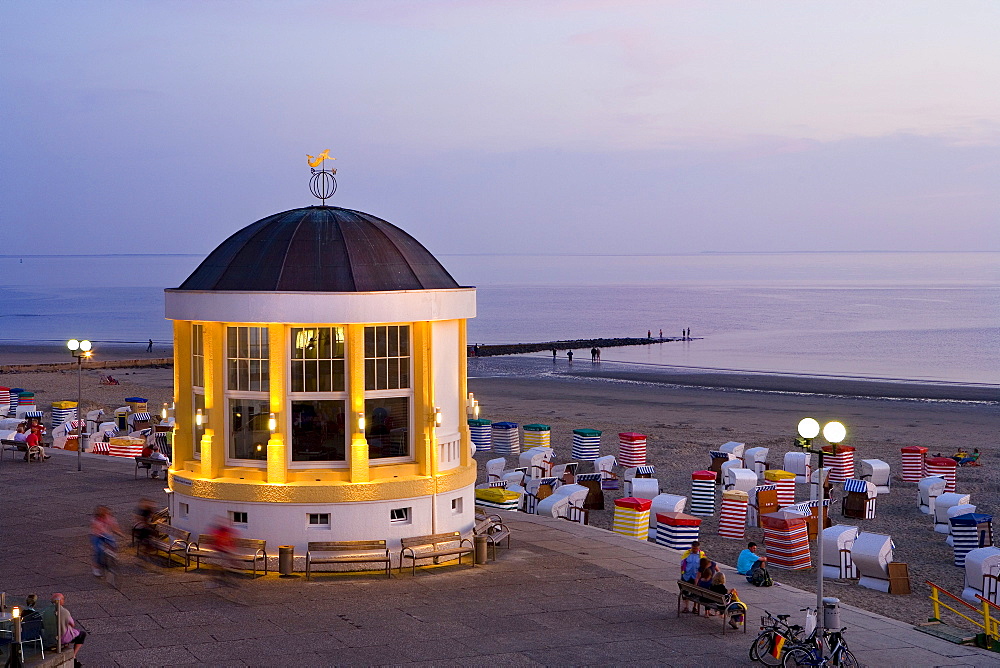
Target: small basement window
{"points": [[399, 515], [456, 505], [237, 517], [319, 520]]}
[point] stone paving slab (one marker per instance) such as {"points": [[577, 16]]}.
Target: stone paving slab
{"points": [[564, 594]]}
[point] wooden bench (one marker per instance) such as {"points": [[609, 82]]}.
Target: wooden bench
{"points": [[161, 516], [440, 544], [348, 552], [249, 550], [494, 529], [711, 600], [147, 463], [169, 540]]}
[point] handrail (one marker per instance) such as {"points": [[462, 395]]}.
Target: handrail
{"points": [[949, 594], [989, 623], [986, 600]]}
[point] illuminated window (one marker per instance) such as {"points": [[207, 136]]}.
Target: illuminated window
{"points": [[247, 358], [387, 427], [388, 396], [387, 357], [199, 430], [319, 430], [248, 432], [198, 355], [317, 359]]}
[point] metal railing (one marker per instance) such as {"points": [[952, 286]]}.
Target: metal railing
{"points": [[983, 616]]}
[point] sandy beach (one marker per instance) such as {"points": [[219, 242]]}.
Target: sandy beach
{"points": [[682, 424]]}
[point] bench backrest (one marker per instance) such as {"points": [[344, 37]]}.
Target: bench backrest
{"points": [[252, 544], [432, 539], [703, 592], [347, 545], [173, 532]]}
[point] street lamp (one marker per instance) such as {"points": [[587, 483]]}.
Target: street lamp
{"points": [[834, 433], [79, 350]]}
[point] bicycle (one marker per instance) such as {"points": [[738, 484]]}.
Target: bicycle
{"points": [[775, 632], [810, 653]]}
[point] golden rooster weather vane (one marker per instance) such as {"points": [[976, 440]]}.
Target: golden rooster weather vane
{"points": [[323, 183]]}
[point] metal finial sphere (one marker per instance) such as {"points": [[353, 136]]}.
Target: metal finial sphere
{"points": [[322, 184]]}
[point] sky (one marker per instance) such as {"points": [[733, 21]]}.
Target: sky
{"points": [[543, 126]]}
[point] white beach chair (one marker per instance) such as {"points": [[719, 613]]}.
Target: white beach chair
{"points": [[838, 541], [642, 488], [743, 480], [799, 463], [494, 469], [872, 554], [928, 489], [876, 472], [941, 506]]}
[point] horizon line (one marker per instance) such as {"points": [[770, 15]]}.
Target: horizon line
{"points": [[557, 254]]}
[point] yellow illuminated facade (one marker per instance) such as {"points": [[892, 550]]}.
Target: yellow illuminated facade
{"points": [[215, 470]]}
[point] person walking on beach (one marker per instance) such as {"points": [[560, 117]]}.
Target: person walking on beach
{"points": [[593, 354], [598, 354], [553, 354], [149, 347], [649, 333], [569, 354], [661, 333]]}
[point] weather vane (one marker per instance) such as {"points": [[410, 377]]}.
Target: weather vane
{"points": [[323, 183]]}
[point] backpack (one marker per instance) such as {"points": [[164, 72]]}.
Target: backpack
{"points": [[759, 577]]}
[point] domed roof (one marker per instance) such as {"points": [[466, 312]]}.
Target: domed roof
{"points": [[320, 249]]}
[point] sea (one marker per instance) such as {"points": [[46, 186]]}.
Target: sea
{"points": [[929, 317]]}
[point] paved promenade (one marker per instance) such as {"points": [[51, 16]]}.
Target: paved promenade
{"points": [[562, 595]]}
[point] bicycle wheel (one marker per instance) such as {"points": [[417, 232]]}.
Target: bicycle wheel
{"points": [[761, 649], [798, 656], [847, 660]]}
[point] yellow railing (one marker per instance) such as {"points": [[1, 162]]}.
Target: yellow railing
{"points": [[984, 618]]}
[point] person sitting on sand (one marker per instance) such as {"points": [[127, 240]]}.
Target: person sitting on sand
{"points": [[960, 455], [749, 559], [970, 460]]}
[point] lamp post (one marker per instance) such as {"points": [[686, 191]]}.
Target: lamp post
{"points": [[834, 433], [79, 350]]}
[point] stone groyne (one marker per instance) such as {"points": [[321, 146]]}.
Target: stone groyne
{"points": [[491, 350]]}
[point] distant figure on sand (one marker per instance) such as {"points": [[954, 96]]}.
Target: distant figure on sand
{"points": [[553, 354], [661, 333], [593, 354], [149, 347], [649, 333], [598, 354], [569, 354]]}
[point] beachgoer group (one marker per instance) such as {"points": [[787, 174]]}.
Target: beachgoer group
{"points": [[701, 571]]}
